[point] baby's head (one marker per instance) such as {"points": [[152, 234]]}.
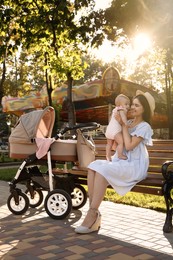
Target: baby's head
{"points": [[122, 100]]}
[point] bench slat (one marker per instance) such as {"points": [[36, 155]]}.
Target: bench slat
{"points": [[153, 160], [148, 190]]}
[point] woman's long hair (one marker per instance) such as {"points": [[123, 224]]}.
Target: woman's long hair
{"points": [[147, 110]]}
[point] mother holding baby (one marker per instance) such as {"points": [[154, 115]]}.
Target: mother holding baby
{"points": [[121, 174]]}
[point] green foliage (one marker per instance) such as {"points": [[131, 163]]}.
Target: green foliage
{"points": [[50, 27], [3, 124], [94, 69], [32, 23], [153, 75], [2, 157], [138, 200], [7, 174]]}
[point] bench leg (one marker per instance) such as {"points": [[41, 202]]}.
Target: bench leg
{"points": [[167, 188]]}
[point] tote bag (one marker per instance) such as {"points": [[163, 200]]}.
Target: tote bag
{"points": [[85, 149]]}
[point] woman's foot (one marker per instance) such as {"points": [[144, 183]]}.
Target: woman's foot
{"points": [[91, 222]]}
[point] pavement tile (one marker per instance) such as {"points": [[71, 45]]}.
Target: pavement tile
{"points": [[100, 250], [143, 257], [47, 256], [126, 233], [74, 257], [120, 256], [51, 247], [78, 249]]}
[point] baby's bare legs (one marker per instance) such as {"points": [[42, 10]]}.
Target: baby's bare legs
{"points": [[109, 148], [120, 146]]}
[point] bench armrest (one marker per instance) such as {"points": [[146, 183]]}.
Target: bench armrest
{"points": [[167, 170]]}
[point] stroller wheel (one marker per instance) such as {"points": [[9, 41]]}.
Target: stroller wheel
{"points": [[79, 197], [36, 198], [58, 204], [20, 207]]}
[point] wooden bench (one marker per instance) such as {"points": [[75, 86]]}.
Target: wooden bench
{"points": [[160, 174]]}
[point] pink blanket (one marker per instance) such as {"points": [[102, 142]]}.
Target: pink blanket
{"points": [[43, 145]]}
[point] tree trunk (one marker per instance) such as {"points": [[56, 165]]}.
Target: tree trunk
{"points": [[169, 83], [69, 102], [48, 81], [2, 80]]}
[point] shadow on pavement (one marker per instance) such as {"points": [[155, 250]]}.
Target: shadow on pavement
{"points": [[36, 236]]}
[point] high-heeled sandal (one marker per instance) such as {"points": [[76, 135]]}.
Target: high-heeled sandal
{"points": [[94, 227]]}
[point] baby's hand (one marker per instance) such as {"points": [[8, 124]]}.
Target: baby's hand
{"points": [[122, 109], [121, 117], [118, 118]]}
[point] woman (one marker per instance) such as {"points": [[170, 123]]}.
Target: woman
{"points": [[122, 175]]}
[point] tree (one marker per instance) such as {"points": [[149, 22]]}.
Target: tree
{"points": [[4, 131], [94, 70], [154, 17], [43, 24], [22, 75], [69, 66]]}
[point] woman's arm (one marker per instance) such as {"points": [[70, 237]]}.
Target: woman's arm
{"points": [[130, 142]]}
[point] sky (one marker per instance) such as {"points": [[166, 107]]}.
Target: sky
{"points": [[102, 4], [106, 52]]}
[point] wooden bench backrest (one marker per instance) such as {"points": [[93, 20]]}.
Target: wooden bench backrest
{"points": [[161, 151]]}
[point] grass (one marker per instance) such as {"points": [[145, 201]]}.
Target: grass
{"points": [[138, 199], [131, 198], [7, 174], [4, 158]]}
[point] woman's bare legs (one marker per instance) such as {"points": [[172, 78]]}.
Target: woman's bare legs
{"points": [[90, 181], [97, 185]]}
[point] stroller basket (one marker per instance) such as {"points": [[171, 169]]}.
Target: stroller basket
{"points": [[39, 124], [61, 150]]}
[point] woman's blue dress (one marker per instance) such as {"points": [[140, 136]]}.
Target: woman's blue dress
{"points": [[123, 175]]}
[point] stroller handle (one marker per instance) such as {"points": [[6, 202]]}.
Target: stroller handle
{"points": [[86, 126]]}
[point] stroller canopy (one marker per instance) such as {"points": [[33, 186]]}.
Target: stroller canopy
{"points": [[38, 123]]}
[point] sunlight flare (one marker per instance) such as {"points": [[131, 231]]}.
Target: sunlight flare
{"points": [[106, 52], [141, 43]]}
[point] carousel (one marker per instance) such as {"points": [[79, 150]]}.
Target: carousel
{"points": [[93, 100]]}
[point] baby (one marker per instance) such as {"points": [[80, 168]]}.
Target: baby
{"points": [[113, 132]]}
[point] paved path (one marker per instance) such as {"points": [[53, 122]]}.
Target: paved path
{"points": [[127, 233]]}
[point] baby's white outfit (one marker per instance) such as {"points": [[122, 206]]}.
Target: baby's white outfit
{"points": [[114, 126]]}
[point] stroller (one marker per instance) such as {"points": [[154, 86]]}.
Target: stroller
{"points": [[31, 141]]}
